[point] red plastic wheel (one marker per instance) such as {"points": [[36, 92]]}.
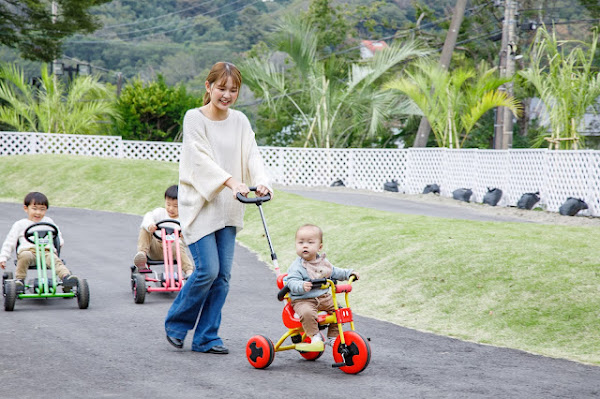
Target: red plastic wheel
{"points": [[358, 352], [311, 355], [260, 351]]}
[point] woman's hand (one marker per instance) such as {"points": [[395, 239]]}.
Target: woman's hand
{"points": [[237, 187], [262, 191]]}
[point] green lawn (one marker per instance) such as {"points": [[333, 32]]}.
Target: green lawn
{"points": [[520, 285]]}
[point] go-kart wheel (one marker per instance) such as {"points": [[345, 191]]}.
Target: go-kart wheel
{"points": [[83, 293], [357, 352], [10, 295], [311, 355], [260, 351], [139, 288], [8, 276]]}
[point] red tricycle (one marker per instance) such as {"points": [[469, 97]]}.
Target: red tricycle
{"points": [[170, 280], [351, 351]]}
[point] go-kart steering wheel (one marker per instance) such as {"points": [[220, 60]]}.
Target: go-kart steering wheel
{"points": [[168, 230], [29, 232]]}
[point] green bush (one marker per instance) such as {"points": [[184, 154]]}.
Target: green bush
{"points": [[153, 111]]}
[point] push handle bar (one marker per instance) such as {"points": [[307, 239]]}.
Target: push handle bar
{"points": [[317, 284], [253, 200]]}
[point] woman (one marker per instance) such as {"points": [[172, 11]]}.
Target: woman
{"points": [[219, 159]]}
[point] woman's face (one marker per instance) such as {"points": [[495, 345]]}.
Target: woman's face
{"points": [[223, 94]]}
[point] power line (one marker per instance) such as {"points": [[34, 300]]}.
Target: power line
{"points": [[162, 32], [157, 17], [163, 26]]}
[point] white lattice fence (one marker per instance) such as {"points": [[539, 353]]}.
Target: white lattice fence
{"points": [[555, 174], [154, 150]]}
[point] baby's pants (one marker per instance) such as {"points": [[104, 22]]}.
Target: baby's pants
{"points": [[26, 257], [307, 310], [154, 249]]}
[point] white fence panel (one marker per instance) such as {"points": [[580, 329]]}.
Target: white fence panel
{"points": [[556, 175]]}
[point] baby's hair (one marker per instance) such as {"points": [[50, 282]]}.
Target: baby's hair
{"points": [[219, 74], [312, 226], [172, 192], [35, 198]]}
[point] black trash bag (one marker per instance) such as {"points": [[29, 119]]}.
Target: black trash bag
{"points": [[462, 194], [492, 197], [431, 188], [572, 206], [391, 186], [528, 200], [338, 183]]}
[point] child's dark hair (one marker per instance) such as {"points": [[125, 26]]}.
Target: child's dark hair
{"points": [[35, 198], [172, 192]]}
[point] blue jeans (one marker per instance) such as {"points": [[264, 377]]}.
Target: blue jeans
{"points": [[205, 291]]}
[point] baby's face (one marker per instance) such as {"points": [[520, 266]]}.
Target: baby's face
{"points": [[308, 243]]}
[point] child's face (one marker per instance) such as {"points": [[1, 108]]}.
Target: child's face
{"points": [[308, 243], [172, 208], [35, 212], [223, 94]]}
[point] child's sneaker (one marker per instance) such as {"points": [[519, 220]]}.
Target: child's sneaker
{"points": [[69, 280], [330, 341], [20, 285], [316, 345], [140, 260]]}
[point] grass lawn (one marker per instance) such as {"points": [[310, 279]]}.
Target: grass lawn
{"points": [[520, 285]]}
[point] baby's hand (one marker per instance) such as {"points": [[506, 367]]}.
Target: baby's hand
{"points": [[307, 286], [152, 228], [355, 274], [3, 265]]}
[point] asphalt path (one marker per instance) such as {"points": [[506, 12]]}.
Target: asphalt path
{"points": [[117, 349]]}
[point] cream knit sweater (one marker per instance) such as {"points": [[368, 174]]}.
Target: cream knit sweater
{"points": [[212, 152]]}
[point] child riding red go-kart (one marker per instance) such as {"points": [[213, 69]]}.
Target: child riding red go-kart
{"points": [[144, 279]]}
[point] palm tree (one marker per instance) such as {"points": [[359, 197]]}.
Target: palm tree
{"points": [[51, 108], [331, 109], [453, 101], [566, 84]]}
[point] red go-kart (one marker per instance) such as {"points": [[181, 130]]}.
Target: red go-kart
{"points": [[171, 280]]}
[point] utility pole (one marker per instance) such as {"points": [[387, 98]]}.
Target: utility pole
{"points": [[503, 128], [445, 58]]}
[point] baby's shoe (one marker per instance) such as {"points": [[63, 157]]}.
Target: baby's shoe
{"points": [[315, 345], [330, 341], [140, 260], [20, 285]]}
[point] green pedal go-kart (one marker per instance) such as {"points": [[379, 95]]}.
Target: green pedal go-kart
{"points": [[46, 285]]}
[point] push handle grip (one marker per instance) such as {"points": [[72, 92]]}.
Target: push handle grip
{"points": [[252, 200]]}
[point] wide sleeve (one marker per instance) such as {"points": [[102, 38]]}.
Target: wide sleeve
{"points": [[148, 220], [197, 166]]}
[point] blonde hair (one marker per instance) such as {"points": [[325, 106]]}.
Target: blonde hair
{"points": [[219, 73]]}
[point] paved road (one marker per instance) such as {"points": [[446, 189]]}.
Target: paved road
{"points": [[117, 349]]}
